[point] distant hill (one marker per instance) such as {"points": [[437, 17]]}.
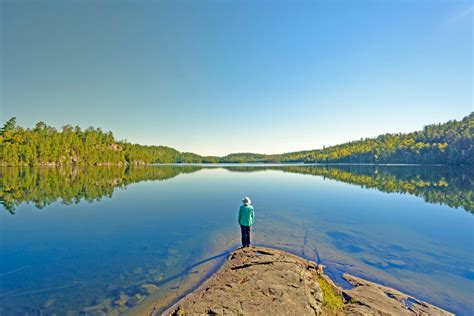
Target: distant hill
{"points": [[448, 143]]}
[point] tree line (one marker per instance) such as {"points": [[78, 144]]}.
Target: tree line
{"points": [[44, 145], [449, 143]]}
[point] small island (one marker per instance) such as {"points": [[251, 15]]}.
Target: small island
{"points": [[267, 281]]}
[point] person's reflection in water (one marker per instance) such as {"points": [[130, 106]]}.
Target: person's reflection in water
{"points": [[246, 219]]}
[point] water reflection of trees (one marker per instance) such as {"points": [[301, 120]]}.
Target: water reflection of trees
{"points": [[452, 186], [43, 186]]}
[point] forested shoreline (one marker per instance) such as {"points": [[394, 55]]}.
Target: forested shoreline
{"points": [[450, 143]]}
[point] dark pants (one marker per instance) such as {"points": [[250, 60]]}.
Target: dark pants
{"points": [[245, 230]]}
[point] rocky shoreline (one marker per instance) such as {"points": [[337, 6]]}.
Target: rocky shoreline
{"points": [[267, 281]]}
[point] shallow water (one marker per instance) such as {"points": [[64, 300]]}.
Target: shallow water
{"points": [[74, 238]]}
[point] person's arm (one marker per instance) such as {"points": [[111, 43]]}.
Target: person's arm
{"points": [[240, 215], [253, 215]]}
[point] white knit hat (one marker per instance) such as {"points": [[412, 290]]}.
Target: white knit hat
{"points": [[246, 200]]}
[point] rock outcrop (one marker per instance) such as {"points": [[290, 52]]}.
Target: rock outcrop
{"points": [[369, 298], [265, 281]]}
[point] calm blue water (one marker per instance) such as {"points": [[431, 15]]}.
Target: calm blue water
{"points": [[149, 225]]}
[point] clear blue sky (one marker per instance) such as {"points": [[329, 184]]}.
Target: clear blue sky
{"points": [[215, 77]]}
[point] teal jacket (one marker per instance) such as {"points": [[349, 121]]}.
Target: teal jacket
{"points": [[246, 215]]}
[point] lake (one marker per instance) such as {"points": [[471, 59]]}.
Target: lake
{"points": [[75, 240]]}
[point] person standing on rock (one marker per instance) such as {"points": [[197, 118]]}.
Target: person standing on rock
{"points": [[246, 219]]}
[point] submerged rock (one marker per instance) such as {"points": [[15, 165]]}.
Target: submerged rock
{"points": [[134, 300], [153, 271], [49, 302], [173, 251], [265, 281], [138, 271], [114, 312], [98, 307], [149, 288], [158, 277], [122, 300]]}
